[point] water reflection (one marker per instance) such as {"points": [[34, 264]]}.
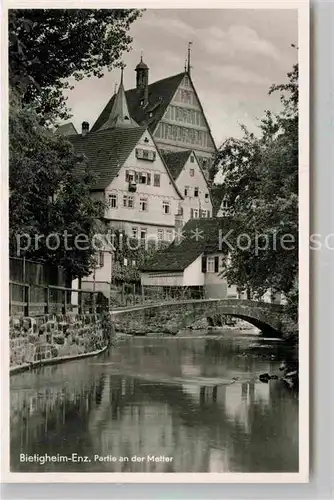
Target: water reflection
{"points": [[159, 397]]}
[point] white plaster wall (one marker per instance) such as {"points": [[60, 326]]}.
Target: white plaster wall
{"points": [[198, 180], [155, 195], [192, 275], [102, 274]]}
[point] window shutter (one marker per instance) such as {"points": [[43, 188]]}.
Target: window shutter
{"points": [[192, 216], [126, 176], [148, 179], [137, 177], [204, 264], [216, 264]]}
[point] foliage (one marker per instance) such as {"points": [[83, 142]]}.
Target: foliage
{"points": [[49, 194], [49, 46], [130, 254], [260, 184]]}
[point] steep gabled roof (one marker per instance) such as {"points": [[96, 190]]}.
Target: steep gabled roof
{"points": [[106, 151], [175, 161], [66, 129], [199, 236], [160, 94]]}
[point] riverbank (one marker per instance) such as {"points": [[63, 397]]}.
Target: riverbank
{"points": [[53, 361]]}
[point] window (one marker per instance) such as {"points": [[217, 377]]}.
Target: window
{"points": [[143, 178], [128, 201], [169, 235], [112, 200], [203, 213], [157, 180], [206, 196], [143, 204], [129, 176], [196, 190], [209, 214], [192, 159], [166, 207], [143, 234], [210, 265], [186, 191], [145, 154], [192, 172], [225, 204], [186, 81], [125, 261], [160, 234], [194, 213], [134, 232]]}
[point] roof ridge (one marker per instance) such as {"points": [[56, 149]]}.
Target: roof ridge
{"points": [[157, 81]]}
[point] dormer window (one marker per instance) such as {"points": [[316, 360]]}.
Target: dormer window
{"points": [[145, 154], [126, 118], [142, 102]]}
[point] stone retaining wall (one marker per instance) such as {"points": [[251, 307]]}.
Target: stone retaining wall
{"points": [[47, 337]]}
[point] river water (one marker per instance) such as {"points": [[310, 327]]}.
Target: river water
{"points": [[158, 404]]}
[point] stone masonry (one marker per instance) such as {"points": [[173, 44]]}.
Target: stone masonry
{"points": [[34, 339], [173, 317]]}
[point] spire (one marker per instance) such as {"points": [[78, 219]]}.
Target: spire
{"points": [[189, 54], [119, 115]]}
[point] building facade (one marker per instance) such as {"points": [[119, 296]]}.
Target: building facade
{"points": [[190, 180], [172, 111], [131, 177]]}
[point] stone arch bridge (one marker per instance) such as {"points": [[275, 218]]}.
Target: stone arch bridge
{"points": [[171, 317]]}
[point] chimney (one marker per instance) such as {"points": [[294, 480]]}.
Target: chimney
{"points": [[84, 128]]}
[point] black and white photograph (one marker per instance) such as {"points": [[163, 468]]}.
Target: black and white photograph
{"points": [[157, 214]]}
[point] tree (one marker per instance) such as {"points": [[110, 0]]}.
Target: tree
{"points": [[261, 186], [135, 253], [48, 46], [50, 204]]}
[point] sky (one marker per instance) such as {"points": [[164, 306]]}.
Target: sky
{"points": [[236, 55]]}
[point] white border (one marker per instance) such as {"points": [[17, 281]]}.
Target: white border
{"points": [[303, 42]]}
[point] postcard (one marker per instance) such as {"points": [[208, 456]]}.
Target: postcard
{"points": [[157, 197]]}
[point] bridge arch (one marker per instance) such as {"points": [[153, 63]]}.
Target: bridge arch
{"points": [[171, 317]]}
